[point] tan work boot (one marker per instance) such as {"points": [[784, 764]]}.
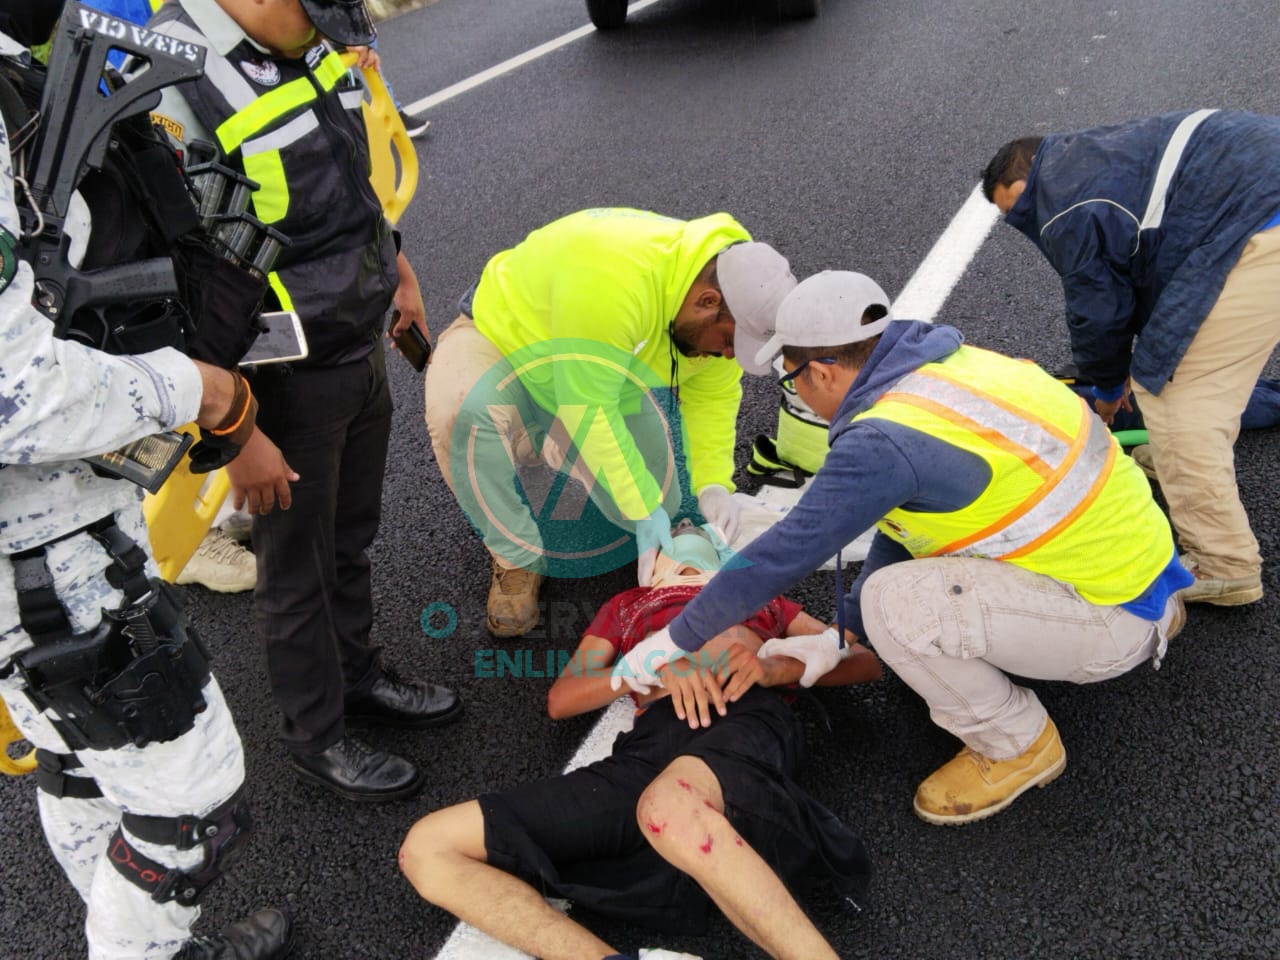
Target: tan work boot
{"points": [[513, 601], [1221, 591], [221, 564], [972, 787], [1178, 618]]}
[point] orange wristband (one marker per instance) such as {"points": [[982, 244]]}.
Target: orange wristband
{"points": [[237, 425]]}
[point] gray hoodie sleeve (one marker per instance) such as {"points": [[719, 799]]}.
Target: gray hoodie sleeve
{"points": [[873, 467]]}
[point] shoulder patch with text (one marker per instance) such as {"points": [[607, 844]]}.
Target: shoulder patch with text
{"points": [[171, 126]]}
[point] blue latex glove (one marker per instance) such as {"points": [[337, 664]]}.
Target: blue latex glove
{"points": [[653, 533]]}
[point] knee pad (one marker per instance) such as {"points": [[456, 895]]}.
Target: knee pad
{"points": [[222, 833]]}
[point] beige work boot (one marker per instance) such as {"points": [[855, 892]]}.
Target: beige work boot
{"points": [[513, 601], [971, 787], [220, 564], [1220, 591], [1178, 618]]}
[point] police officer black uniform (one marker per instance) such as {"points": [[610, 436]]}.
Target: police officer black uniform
{"points": [[281, 107]]}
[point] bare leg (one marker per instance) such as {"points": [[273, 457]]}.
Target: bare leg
{"points": [[681, 814], [444, 858]]}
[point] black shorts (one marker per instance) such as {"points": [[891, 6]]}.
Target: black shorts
{"points": [[575, 836]]}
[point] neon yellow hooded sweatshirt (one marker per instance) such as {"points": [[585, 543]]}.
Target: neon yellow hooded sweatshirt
{"points": [[616, 277]]}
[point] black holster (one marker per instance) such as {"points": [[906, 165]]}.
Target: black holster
{"points": [[136, 678]]}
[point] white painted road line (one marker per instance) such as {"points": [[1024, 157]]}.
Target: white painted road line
{"points": [[931, 284], [506, 66]]}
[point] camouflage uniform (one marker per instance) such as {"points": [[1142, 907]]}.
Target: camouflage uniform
{"points": [[60, 400]]}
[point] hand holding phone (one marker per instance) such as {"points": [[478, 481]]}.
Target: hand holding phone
{"points": [[411, 342]]}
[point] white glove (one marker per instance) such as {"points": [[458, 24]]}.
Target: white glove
{"points": [[639, 668], [721, 510], [653, 533], [819, 652]]}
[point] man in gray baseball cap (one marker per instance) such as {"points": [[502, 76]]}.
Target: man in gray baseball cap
{"points": [[1012, 536]]}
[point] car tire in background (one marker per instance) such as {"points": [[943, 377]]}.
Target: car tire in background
{"points": [[607, 14], [798, 9]]}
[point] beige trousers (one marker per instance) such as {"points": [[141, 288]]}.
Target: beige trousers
{"points": [[950, 628], [1194, 421], [462, 357]]}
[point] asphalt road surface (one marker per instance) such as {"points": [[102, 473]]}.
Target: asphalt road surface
{"points": [[850, 141]]}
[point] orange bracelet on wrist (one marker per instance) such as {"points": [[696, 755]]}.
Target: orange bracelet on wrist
{"points": [[237, 425], [239, 406]]}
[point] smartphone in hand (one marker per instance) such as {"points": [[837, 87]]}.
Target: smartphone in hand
{"points": [[412, 344]]}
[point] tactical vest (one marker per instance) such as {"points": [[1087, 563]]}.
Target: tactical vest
{"points": [[295, 127], [1062, 501]]}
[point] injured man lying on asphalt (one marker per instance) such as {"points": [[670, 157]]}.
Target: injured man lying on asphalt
{"points": [[698, 803]]}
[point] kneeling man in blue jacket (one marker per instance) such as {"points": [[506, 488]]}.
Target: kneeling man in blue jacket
{"points": [[1166, 232]]}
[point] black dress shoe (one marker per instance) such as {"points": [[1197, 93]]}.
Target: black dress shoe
{"points": [[394, 702], [353, 769], [265, 935]]}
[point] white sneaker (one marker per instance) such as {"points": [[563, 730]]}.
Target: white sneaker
{"points": [[646, 954], [220, 564], [413, 126], [238, 526]]}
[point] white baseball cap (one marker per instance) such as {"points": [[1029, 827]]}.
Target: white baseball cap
{"points": [[754, 278], [826, 311]]}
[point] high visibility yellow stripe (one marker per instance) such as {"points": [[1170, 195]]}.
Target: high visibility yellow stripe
{"points": [[286, 302], [330, 70], [271, 199], [243, 124]]}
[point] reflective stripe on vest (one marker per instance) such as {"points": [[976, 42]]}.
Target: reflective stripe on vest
{"points": [[282, 295], [1072, 471], [253, 113], [1061, 501]]}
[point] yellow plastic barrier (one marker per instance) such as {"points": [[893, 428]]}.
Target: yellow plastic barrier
{"points": [[181, 513], [10, 734], [390, 149]]}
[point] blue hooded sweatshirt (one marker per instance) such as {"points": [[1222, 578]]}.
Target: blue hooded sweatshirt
{"points": [[872, 467]]}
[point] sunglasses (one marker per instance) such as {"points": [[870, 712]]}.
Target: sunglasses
{"points": [[789, 378]]}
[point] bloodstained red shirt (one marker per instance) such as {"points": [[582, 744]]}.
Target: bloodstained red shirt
{"points": [[632, 615]]}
